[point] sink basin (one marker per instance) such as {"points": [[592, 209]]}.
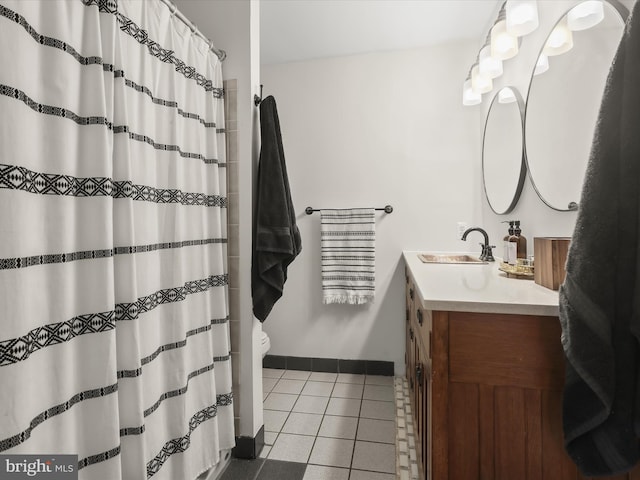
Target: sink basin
{"points": [[466, 259]]}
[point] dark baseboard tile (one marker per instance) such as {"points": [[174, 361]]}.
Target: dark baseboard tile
{"points": [[352, 366], [249, 447], [376, 367], [329, 365], [274, 361], [299, 363]]}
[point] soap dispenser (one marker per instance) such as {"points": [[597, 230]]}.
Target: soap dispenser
{"points": [[517, 244], [505, 241]]}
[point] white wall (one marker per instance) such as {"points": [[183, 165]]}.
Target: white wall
{"points": [[371, 130]]}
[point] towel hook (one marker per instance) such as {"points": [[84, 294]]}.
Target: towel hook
{"points": [[257, 99]]}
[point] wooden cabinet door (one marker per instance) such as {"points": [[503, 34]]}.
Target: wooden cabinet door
{"points": [[424, 384], [410, 359], [420, 411], [411, 334]]}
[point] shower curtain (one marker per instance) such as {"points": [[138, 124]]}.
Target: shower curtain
{"points": [[114, 340]]}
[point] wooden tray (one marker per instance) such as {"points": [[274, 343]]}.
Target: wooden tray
{"points": [[511, 272]]}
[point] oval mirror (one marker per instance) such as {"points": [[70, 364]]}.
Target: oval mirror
{"points": [[563, 102], [503, 164]]}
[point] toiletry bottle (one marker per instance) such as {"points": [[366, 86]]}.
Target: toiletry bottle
{"points": [[517, 244], [512, 249], [505, 241], [522, 241]]}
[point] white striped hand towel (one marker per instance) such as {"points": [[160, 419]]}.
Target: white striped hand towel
{"points": [[348, 243]]}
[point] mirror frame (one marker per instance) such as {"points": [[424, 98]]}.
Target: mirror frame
{"points": [[623, 11], [523, 163]]}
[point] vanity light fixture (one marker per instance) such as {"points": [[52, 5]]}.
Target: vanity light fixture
{"points": [[585, 15], [506, 95], [480, 83], [487, 65], [521, 17], [542, 65], [560, 40], [503, 45], [469, 97]]}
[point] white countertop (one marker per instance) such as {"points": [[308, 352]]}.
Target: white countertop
{"points": [[478, 288]]}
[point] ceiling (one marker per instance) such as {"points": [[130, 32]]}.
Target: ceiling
{"points": [[295, 30]]}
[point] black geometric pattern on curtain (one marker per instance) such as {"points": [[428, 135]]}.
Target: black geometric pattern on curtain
{"points": [[94, 120], [47, 259], [181, 444], [56, 410], [19, 349], [21, 178]]}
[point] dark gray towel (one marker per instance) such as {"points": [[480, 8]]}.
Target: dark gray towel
{"points": [[600, 298], [276, 239]]}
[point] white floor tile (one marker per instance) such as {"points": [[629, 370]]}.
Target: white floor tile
{"points": [[288, 386], [292, 448], [323, 377], [362, 475], [280, 401], [274, 420], [265, 451], [350, 378], [378, 392], [377, 457], [272, 373], [379, 380], [333, 452], [338, 427], [308, 404], [268, 383], [347, 390], [348, 407], [377, 410], [302, 423], [320, 389], [383, 431], [296, 375], [319, 472], [269, 437]]}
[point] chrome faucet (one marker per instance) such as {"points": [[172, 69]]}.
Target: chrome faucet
{"points": [[487, 253]]}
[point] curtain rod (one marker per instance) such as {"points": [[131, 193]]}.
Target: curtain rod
{"points": [[221, 54]]}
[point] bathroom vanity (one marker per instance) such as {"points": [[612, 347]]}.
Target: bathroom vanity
{"points": [[486, 370]]}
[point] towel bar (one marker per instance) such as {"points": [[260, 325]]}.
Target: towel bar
{"points": [[310, 210]]}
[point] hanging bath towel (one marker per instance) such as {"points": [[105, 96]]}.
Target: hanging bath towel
{"points": [[276, 239], [348, 241]]}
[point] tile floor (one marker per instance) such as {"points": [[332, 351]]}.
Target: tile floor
{"points": [[327, 426], [342, 426]]}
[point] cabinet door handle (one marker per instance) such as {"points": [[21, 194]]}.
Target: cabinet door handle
{"points": [[420, 319], [419, 372]]}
